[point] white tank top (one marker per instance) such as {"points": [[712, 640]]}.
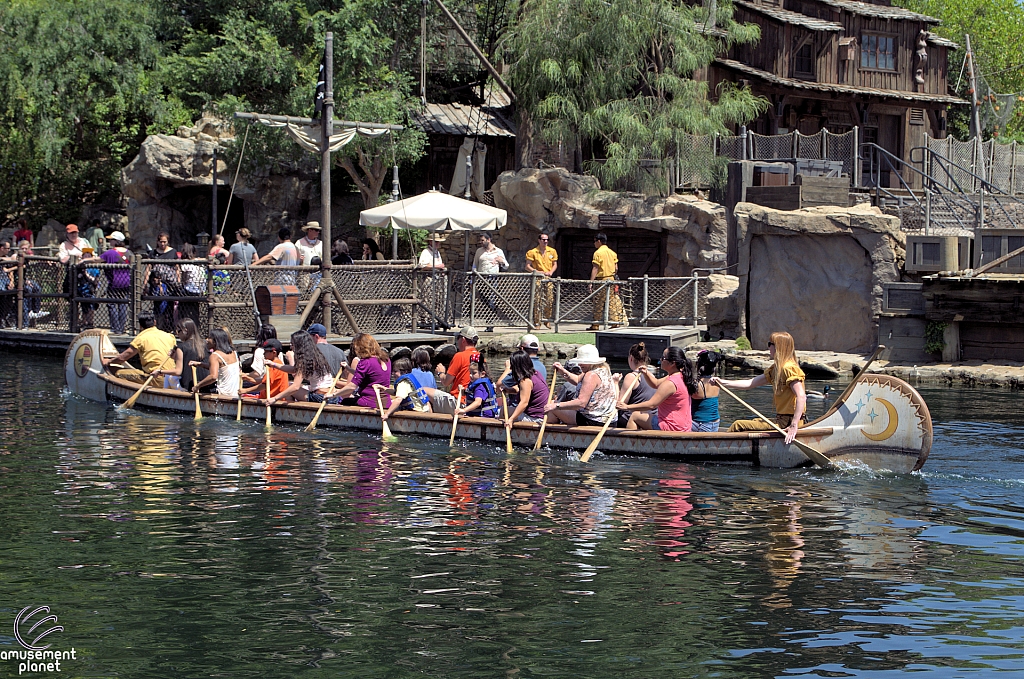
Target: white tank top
{"points": [[227, 376]]}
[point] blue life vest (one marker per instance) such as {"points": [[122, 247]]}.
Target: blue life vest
{"points": [[489, 407], [418, 391]]}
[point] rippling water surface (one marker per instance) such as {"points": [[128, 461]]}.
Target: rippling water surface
{"points": [[168, 547]]}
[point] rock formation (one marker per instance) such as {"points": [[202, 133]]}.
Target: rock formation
{"points": [[816, 273], [724, 314], [163, 186], [554, 198]]}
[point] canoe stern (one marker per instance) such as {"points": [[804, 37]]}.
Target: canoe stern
{"points": [[83, 364]]}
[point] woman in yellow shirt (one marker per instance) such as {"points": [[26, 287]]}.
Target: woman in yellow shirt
{"points": [[787, 381]]}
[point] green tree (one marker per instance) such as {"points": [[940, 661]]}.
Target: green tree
{"points": [[995, 27], [77, 97], [618, 74]]}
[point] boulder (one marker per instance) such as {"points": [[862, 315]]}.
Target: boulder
{"points": [[724, 315], [546, 200], [816, 273]]}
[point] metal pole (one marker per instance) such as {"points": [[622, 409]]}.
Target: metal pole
{"points": [[533, 300], [696, 288], [558, 302], [646, 289], [465, 256], [743, 142], [975, 113], [395, 193], [20, 299], [855, 165], [927, 212], [472, 298], [326, 281], [213, 227]]}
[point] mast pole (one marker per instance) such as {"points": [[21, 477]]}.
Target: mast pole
{"points": [[326, 281]]}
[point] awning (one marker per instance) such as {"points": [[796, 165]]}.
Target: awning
{"points": [[435, 211]]}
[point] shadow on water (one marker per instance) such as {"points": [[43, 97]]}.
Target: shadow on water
{"points": [[169, 547]]}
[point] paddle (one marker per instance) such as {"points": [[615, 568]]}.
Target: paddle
{"points": [[508, 432], [130, 403], [266, 374], [860, 375], [812, 454], [455, 418], [385, 429], [195, 381], [316, 418], [544, 422], [238, 413], [600, 435]]}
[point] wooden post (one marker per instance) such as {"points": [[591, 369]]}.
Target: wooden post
{"points": [[20, 298], [414, 308], [327, 115], [558, 302], [533, 299]]}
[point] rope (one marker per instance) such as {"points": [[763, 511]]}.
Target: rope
{"points": [[241, 155]]}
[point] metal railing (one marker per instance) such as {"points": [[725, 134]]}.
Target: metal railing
{"points": [[394, 298]]}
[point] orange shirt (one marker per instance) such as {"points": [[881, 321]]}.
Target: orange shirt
{"points": [[459, 369], [278, 383]]}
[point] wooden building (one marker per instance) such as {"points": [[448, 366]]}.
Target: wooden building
{"points": [[448, 125], [837, 64]]}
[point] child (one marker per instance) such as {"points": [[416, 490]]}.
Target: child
{"points": [[410, 392], [704, 407], [480, 392], [271, 351]]}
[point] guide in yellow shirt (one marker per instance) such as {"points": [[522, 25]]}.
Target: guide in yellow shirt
{"points": [[606, 265], [544, 261]]}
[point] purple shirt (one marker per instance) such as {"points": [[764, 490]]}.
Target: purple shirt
{"points": [[368, 373], [119, 278], [538, 397]]}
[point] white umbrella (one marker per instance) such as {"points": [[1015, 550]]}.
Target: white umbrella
{"points": [[435, 211]]}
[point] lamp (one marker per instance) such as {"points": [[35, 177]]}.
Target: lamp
{"points": [[203, 239]]}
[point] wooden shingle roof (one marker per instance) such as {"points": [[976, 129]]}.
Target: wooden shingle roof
{"points": [[465, 120], [878, 11], [771, 78], [788, 17]]}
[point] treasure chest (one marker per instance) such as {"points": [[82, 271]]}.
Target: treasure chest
{"points": [[277, 300]]}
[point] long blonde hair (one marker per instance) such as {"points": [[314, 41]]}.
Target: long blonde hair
{"points": [[785, 354]]}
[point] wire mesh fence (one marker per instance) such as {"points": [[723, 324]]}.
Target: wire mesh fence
{"points": [[699, 155], [381, 300]]}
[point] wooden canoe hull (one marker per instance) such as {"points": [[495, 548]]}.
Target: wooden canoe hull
{"points": [[851, 432]]}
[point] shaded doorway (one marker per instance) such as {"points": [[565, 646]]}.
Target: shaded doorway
{"points": [[640, 252]]}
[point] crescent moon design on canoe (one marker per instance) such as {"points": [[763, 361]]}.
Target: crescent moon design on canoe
{"points": [[890, 429]]}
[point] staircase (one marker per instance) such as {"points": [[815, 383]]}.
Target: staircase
{"points": [[953, 202]]}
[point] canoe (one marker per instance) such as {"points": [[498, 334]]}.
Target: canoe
{"points": [[883, 423]]}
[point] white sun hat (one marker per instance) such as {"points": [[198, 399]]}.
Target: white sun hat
{"points": [[587, 355]]}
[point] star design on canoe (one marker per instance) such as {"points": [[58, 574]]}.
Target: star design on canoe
{"points": [[859, 404], [872, 415], [868, 395]]}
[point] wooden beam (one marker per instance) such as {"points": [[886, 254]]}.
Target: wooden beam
{"points": [[309, 122], [477, 51], [996, 262]]}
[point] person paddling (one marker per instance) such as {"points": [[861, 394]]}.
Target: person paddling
{"points": [[788, 391], [672, 393]]}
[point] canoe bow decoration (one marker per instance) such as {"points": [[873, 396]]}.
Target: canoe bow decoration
{"points": [[883, 423]]}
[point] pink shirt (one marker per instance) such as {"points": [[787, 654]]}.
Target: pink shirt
{"points": [[674, 411]]}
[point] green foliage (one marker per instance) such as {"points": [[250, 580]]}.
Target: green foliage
{"points": [[77, 96], [934, 337], [995, 27], [618, 74], [743, 344]]}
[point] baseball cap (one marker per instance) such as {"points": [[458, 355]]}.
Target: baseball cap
{"points": [[117, 235], [317, 329], [530, 342], [71, 227], [469, 332], [274, 344]]}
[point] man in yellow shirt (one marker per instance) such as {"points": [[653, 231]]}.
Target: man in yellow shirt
{"points": [[152, 345], [606, 266], [543, 260]]}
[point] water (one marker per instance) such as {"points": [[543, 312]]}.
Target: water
{"points": [[171, 548]]}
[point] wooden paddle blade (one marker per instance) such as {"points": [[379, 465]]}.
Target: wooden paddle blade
{"points": [[238, 413], [508, 432], [266, 374], [199, 410], [268, 417], [597, 439], [387, 431], [455, 418], [130, 403], [544, 422]]}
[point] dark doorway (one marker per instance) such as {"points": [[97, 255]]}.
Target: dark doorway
{"points": [[640, 252], [889, 138], [195, 203]]}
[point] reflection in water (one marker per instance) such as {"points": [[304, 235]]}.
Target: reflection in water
{"points": [[306, 554]]}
